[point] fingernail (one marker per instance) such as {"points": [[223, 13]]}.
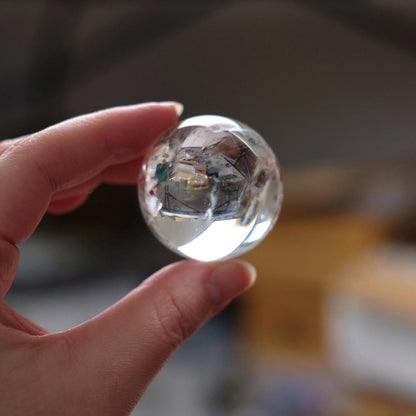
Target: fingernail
{"points": [[176, 105], [230, 279]]}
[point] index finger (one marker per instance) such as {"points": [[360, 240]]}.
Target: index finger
{"points": [[69, 153]]}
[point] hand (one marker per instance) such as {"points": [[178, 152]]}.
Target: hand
{"points": [[102, 366]]}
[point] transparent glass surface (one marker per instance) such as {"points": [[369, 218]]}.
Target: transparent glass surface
{"points": [[210, 188]]}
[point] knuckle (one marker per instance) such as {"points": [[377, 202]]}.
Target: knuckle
{"points": [[27, 150], [50, 179], [176, 320], [9, 259]]}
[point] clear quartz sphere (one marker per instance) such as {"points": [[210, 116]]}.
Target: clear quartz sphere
{"points": [[210, 188]]}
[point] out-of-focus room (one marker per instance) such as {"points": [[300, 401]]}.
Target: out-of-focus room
{"points": [[330, 326]]}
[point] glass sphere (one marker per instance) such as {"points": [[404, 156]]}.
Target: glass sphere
{"points": [[210, 188]]}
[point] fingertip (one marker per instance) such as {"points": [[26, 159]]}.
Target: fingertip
{"points": [[230, 279], [177, 106], [172, 110], [250, 270]]}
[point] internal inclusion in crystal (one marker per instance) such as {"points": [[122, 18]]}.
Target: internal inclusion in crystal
{"points": [[210, 189]]}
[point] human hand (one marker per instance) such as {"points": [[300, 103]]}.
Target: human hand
{"points": [[103, 366]]}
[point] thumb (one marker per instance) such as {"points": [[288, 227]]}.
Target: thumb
{"points": [[116, 354]]}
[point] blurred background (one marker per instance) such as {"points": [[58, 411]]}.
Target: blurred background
{"points": [[330, 328]]}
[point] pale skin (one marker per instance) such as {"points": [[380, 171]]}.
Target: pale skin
{"points": [[103, 366]]}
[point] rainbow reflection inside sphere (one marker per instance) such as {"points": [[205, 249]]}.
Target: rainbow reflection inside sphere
{"points": [[210, 188]]}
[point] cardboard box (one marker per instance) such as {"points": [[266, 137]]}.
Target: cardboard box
{"points": [[282, 316], [371, 325], [370, 404]]}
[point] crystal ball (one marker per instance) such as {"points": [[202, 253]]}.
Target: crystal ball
{"points": [[210, 188]]}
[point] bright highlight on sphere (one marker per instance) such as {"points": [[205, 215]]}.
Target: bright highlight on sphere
{"points": [[210, 188]]}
